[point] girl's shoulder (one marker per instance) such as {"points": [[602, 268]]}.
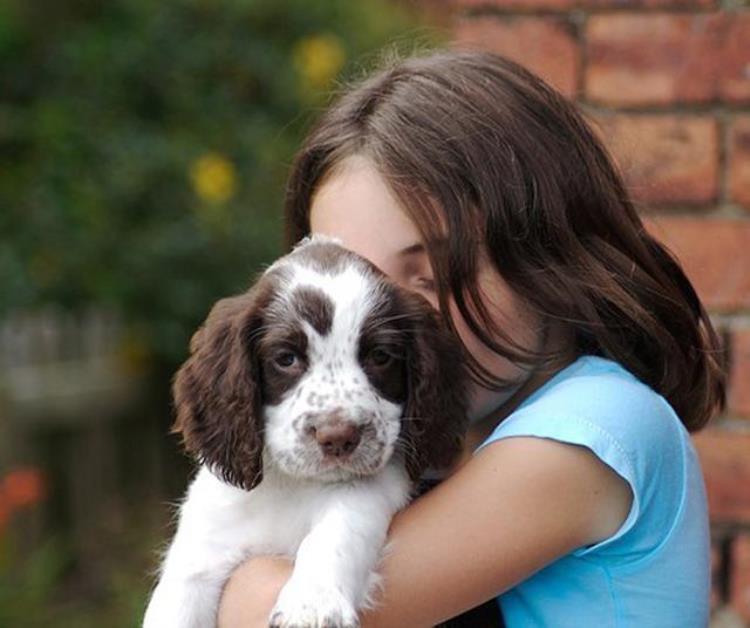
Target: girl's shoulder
{"points": [[598, 395], [598, 404]]}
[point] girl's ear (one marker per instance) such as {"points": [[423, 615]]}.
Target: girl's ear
{"points": [[436, 407], [217, 392]]}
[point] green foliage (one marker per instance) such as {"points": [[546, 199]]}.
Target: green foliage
{"points": [[144, 145], [36, 590], [25, 589]]}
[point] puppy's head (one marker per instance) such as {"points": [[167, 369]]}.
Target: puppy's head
{"points": [[323, 369]]}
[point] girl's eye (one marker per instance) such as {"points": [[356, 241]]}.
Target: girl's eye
{"points": [[379, 357], [285, 359], [424, 283]]}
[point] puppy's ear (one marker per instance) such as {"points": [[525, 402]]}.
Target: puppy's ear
{"points": [[436, 406], [217, 392]]}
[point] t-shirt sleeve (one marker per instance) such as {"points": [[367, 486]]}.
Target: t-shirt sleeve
{"points": [[631, 429]]}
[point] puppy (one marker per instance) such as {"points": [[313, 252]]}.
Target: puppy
{"points": [[313, 402]]}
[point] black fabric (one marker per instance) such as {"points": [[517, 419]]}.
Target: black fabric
{"points": [[487, 615]]}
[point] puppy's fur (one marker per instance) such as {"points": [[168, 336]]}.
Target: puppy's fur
{"points": [[313, 401]]}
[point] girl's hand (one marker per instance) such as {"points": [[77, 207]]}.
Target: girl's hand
{"points": [[516, 506]]}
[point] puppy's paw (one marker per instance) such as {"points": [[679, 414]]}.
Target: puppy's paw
{"points": [[312, 605]]}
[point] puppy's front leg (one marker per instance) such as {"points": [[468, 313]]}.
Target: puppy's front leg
{"points": [[205, 550], [180, 602], [335, 562], [330, 573]]}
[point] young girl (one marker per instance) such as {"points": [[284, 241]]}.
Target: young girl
{"points": [[470, 181]]}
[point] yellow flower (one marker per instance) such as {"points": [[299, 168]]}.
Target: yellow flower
{"points": [[214, 178], [318, 59]]}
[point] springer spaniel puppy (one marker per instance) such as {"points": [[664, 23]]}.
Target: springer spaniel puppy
{"points": [[314, 402]]}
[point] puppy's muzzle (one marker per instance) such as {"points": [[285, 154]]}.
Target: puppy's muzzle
{"points": [[337, 439], [337, 434]]}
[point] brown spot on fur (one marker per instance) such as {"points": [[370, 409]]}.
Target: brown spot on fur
{"points": [[315, 307], [383, 338], [281, 336]]}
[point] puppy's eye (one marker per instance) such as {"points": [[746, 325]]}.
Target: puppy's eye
{"points": [[379, 357], [285, 359]]}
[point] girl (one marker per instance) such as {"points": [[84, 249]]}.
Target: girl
{"points": [[470, 181]]}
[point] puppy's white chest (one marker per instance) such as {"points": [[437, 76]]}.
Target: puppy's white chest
{"points": [[277, 515], [266, 520]]}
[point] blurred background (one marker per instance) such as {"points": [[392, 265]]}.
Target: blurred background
{"points": [[143, 152]]}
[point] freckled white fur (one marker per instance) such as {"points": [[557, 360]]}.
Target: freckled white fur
{"points": [[334, 526]]}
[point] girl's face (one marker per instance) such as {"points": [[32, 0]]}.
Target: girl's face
{"points": [[355, 205]]}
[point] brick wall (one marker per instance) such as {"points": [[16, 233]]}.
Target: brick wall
{"points": [[667, 83]]}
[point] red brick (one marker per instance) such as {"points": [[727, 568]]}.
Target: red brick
{"points": [[544, 45], [715, 254], [562, 5], [653, 59], [662, 59], [739, 576], [739, 161], [650, 4], [735, 76], [739, 373], [521, 5], [726, 469], [666, 159]]}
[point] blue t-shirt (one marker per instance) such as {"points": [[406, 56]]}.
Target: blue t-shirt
{"points": [[654, 571]]}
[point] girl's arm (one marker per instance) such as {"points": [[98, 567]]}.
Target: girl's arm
{"points": [[513, 508]]}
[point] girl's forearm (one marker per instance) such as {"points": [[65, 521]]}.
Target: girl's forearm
{"points": [[251, 592]]}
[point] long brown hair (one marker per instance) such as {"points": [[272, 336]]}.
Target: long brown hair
{"points": [[477, 147]]}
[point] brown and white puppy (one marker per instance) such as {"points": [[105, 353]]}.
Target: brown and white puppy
{"points": [[313, 401]]}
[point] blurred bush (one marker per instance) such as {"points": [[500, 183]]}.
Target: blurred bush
{"points": [[143, 145]]}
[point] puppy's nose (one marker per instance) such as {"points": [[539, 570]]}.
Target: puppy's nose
{"points": [[338, 439]]}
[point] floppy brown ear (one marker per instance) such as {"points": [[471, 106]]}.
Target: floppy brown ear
{"points": [[217, 392], [436, 406]]}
